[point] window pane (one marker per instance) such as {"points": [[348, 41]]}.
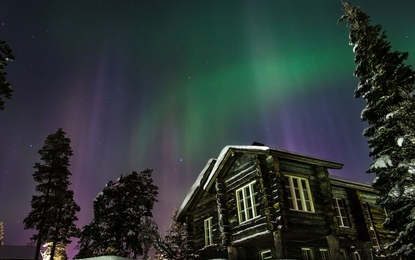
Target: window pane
{"points": [[243, 218], [299, 205], [299, 196], [295, 182], [325, 255], [266, 254], [250, 214], [307, 253], [290, 204], [239, 195], [288, 189], [341, 212], [246, 202], [356, 256], [241, 205], [343, 253], [248, 192], [297, 193], [208, 231], [345, 222], [308, 205]]}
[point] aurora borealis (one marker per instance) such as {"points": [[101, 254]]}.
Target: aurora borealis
{"points": [[166, 85]]}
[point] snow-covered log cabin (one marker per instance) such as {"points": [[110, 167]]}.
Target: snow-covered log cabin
{"points": [[258, 202]]}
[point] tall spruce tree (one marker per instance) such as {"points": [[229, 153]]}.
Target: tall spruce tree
{"points": [[121, 223], [53, 207], [5, 86], [387, 85]]}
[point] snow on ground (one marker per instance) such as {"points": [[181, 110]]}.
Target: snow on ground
{"points": [[106, 257]]}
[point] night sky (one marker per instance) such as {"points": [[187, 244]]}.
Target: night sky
{"points": [[166, 85]]}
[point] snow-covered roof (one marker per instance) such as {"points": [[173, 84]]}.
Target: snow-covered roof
{"points": [[106, 257], [224, 154], [195, 187], [210, 172], [348, 181], [306, 158]]}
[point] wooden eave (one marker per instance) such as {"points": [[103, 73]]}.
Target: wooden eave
{"points": [[342, 182], [279, 153]]}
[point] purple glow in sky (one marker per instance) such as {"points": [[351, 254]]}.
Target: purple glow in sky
{"points": [[166, 85]]}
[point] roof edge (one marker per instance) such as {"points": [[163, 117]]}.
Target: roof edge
{"points": [[306, 158], [224, 154], [194, 190], [338, 179]]}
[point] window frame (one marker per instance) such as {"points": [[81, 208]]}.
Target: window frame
{"points": [[325, 254], [263, 252], [356, 255], [207, 224], [307, 253], [344, 254], [295, 183], [372, 230], [247, 203], [340, 218]]}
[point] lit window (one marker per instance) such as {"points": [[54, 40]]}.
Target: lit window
{"points": [[299, 194], [208, 231], [266, 254], [325, 254], [307, 253], [246, 202], [341, 212]]}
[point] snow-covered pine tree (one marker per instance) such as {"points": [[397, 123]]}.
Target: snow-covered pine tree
{"points": [[5, 86], [387, 85], [120, 225], [53, 208], [60, 251], [174, 244]]}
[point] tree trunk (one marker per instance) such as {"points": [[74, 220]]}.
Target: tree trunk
{"points": [[39, 239], [52, 251], [38, 244], [56, 235]]}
